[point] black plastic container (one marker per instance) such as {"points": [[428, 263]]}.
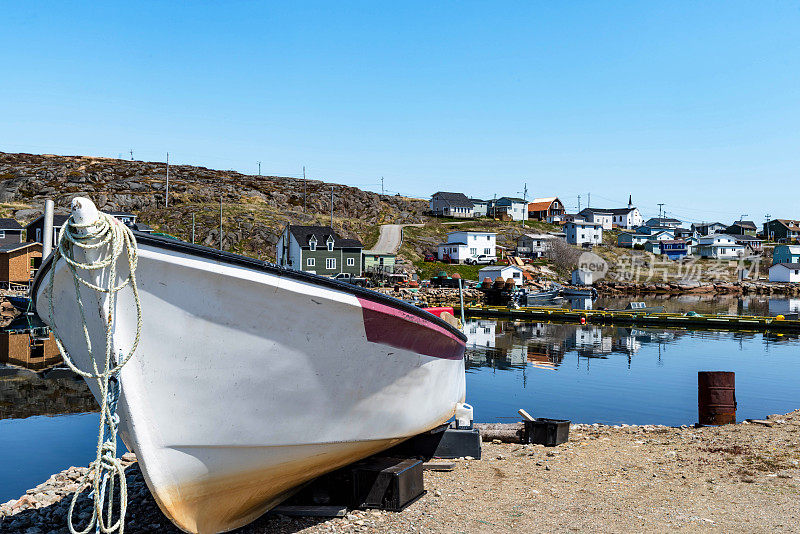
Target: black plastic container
{"points": [[441, 442], [547, 432]]}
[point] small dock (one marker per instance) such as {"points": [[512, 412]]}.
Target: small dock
{"points": [[634, 318]]}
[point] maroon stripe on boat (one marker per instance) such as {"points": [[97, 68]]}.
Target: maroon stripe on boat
{"points": [[397, 328]]}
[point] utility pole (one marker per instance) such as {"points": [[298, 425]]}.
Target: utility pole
{"points": [[525, 202], [659, 209], [220, 222], [131, 151], [193, 228], [579, 203], [331, 206], [167, 196], [766, 227], [259, 168], [381, 185], [589, 200], [305, 189]]}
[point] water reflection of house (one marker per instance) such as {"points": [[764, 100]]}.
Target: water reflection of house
{"points": [[783, 306], [481, 333], [590, 339], [32, 348]]}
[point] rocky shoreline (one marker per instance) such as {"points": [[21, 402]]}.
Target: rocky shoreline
{"points": [[612, 288], [609, 478]]}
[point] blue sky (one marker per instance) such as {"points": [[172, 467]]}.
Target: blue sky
{"points": [[696, 105]]}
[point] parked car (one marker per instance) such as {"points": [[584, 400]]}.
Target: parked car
{"points": [[430, 256], [482, 259], [350, 279]]}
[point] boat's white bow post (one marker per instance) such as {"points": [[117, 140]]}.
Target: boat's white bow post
{"points": [[100, 252]]}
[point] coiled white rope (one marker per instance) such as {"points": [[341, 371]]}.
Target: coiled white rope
{"points": [[107, 237]]}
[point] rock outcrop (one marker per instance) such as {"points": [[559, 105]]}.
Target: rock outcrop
{"points": [[255, 208]]}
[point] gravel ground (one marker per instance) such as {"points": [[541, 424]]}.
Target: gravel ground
{"points": [[742, 478]]}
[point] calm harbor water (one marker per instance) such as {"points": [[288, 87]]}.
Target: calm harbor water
{"points": [[617, 375], [583, 373]]}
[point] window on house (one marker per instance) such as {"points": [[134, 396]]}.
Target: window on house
{"points": [[2, 234], [487, 251], [330, 263], [473, 251], [311, 262], [330, 244], [352, 261], [312, 245]]}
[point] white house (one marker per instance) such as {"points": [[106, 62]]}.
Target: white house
{"points": [[480, 208], [603, 217], [785, 272], [629, 217], [515, 208], [534, 245], [503, 271], [452, 251], [626, 217], [446, 204], [581, 232], [720, 246], [478, 243]]}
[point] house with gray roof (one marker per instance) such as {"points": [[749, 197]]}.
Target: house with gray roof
{"points": [[319, 250], [10, 231], [448, 204], [742, 228], [35, 229], [512, 208]]}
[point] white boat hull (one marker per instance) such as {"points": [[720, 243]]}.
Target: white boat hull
{"points": [[250, 381]]}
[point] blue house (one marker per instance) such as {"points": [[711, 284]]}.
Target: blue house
{"points": [[786, 254], [673, 249]]}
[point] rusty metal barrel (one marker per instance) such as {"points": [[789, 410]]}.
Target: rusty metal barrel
{"points": [[716, 397]]}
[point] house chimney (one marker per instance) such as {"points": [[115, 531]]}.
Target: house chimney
{"points": [[630, 201]]}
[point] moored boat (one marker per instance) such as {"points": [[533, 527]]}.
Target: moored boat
{"points": [[250, 379]]}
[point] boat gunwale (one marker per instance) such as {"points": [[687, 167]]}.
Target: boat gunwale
{"points": [[270, 268]]}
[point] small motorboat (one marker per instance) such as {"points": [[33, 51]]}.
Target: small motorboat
{"points": [[639, 307], [248, 379], [548, 297]]}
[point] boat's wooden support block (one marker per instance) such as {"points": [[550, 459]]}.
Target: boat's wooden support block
{"points": [[310, 511], [438, 466], [505, 432], [762, 422]]}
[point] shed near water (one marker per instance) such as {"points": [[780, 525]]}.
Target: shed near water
{"points": [[502, 271]]}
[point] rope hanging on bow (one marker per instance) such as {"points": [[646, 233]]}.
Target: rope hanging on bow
{"points": [[105, 238]]}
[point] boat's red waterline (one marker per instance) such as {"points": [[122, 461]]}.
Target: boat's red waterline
{"points": [[397, 328]]}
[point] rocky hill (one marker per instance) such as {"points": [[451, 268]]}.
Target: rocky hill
{"points": [[255, 208]]}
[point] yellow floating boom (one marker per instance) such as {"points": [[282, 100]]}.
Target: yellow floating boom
{"points": [[632, 317]]}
